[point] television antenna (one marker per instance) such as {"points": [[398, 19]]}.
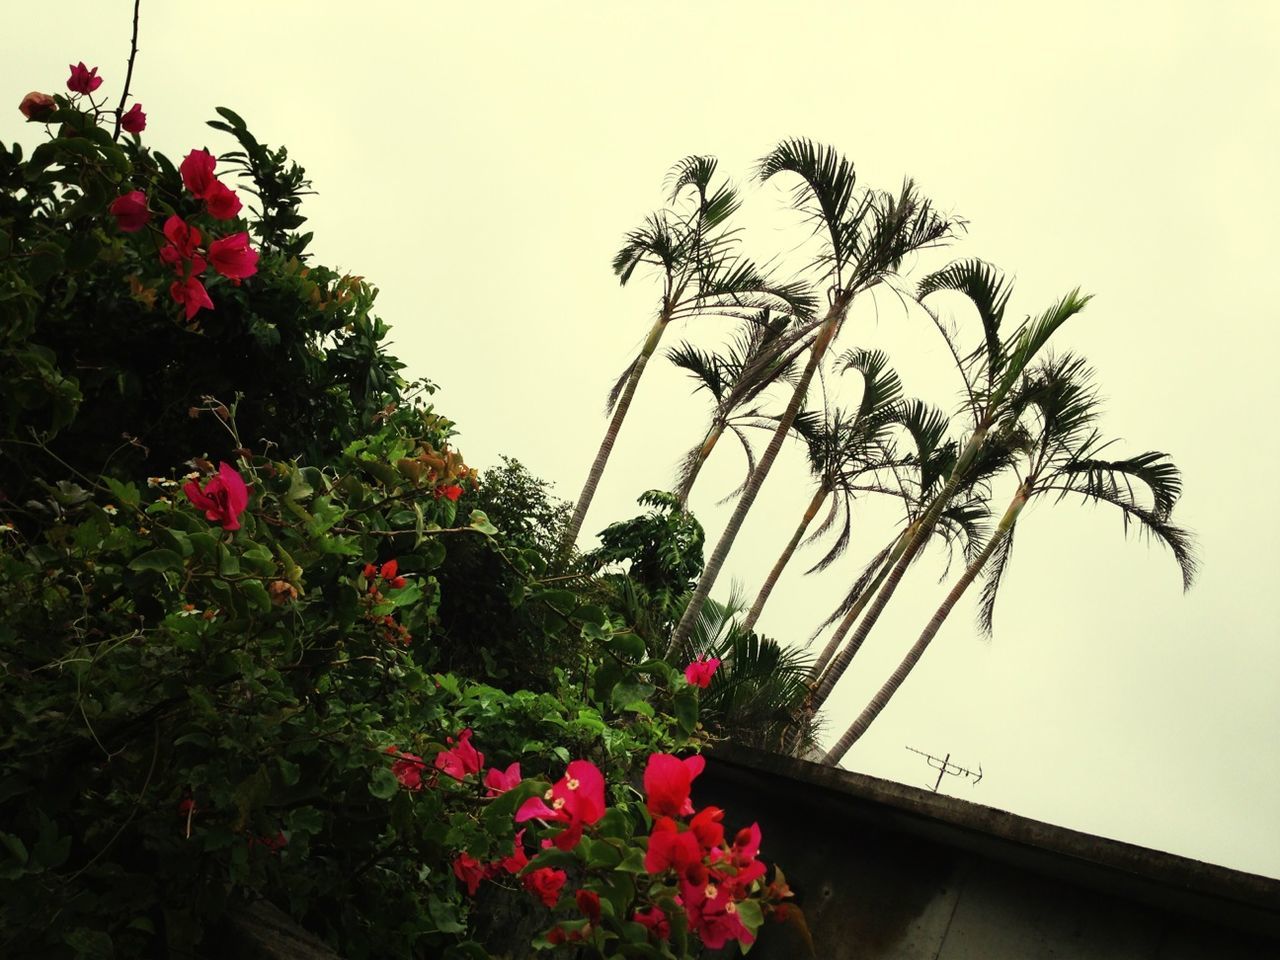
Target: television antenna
{"points": [[946, 768]]}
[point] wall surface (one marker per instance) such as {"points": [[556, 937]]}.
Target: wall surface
{"points": [[885, 871]]}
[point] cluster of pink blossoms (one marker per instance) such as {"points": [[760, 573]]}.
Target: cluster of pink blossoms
{"points": [[689, 847], [231, 256]]}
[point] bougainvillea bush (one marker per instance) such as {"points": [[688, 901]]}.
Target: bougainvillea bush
{"points": [[228, 530]]}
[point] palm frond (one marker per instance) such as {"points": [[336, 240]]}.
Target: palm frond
{"points": [[993, 574], [987, 289], [1027, 341], [826, 193]]}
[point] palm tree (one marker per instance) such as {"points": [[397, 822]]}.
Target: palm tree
{"points": [[866, 235], [1062, 456], [843, 449], [990, 374], [701, 276], [754, 695], [735, 377]]}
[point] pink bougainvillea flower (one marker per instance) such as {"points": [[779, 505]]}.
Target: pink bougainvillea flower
{"points": [[518, 860], [133, 120], [223, 498], [655, 921], [130, 211], [713, 915], [197, 172], [408, 768], [221, 201], [36, 105], [183, 238], [671, 849], [667, 781], [707, 827], [746, 845], [701, 670], [82, 79], [589, 903], [546, 884], [470, 871], [232, 257], [500, 781], [461, 758], [451, 491], [576, 800], [194, 298]]}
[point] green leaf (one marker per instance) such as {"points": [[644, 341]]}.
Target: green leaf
{"points": [[159, 560], [228, 562], [480, 523], [126, 493], [256, 594], [685, 703], [628, 645], [634, 697], [383, 784], [633, 862], [445, 915]]}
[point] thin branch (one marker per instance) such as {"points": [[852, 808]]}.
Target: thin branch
{"points": [[128, 77]]}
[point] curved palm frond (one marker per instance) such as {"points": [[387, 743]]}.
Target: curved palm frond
{"points": [[825, 196], [987, 289]]}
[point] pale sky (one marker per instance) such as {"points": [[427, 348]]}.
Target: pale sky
{"points": [[480, 164]]}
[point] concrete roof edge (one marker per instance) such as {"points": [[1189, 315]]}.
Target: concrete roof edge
{"points": [[1180, 874]]}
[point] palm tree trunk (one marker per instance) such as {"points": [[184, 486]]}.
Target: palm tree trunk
{"points": [[708, 444], [886, 692], [829, 651], [910, 546], [711, 571], [771, 581], [570, 535]]}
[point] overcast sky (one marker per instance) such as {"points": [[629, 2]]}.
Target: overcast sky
{"points": [[480, 164]]}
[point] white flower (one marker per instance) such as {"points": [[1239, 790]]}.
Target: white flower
{"points": [[110, 510]]}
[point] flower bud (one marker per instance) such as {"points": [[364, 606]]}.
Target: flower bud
{"points": [[37, 106]]}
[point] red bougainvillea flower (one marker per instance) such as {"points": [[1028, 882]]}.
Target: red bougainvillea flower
{"points": [[221, 201], [452, 491], [701, 670], [369, 571], [194, 298], [667, 781], [389, 570], [546, 884], [223, 498], [130, 211], [577, 799], [233, 257], [714, 917], [197, 172], [408, 768], [82, 79], [133, 120], [518, 860], [500, 781], [36, 105], [589, 903], [470, 871], [655, 921], [671, 849], [461, 758]]}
